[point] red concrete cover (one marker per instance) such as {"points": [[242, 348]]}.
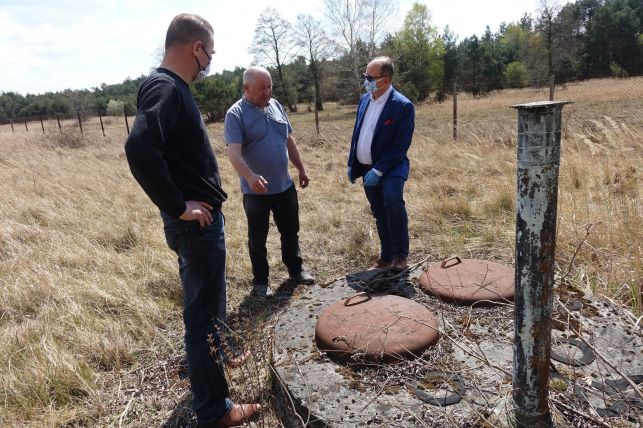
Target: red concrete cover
{"points": [[469, 281], [380, 327]]}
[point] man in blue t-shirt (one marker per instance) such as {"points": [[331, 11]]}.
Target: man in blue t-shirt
{"points": [[260, 144]]}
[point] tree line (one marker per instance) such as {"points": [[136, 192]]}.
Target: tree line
{"points": [[317, 60]]}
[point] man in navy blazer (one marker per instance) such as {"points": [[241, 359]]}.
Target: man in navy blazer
{"points": [[381, 138]]}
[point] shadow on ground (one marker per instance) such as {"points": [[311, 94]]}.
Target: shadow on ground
{"points": [[252, 324]]}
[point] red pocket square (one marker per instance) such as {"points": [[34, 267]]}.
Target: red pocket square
{"points": [[388, 122]]}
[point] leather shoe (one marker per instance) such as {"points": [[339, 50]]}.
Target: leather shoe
{"points": [[381, 264], [238, 415], [399, 264]]}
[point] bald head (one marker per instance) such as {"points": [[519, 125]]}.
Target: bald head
{"points": [[257, 85], [251, 74], [384, 65]]}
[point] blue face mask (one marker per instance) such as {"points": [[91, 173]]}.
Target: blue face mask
{"points": [[370, 86]]}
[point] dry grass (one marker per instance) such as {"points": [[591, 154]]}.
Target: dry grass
{"points": [[89, 290]]}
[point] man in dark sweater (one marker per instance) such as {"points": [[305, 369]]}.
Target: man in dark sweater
{"points": [[170, 156]]}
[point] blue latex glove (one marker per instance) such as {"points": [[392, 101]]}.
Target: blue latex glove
{"points": [[371, 178], [352, 180]]}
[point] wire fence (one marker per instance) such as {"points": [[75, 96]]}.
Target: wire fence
{"points": [[83, 122], [462, 114]]}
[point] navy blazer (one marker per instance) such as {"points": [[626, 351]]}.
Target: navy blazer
{"points": [[391, 139]]}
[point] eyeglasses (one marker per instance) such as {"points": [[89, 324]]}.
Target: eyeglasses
{"points": [[372, 78], [206, 54]]}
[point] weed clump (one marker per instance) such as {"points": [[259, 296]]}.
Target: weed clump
{"points": [[69, 139]]}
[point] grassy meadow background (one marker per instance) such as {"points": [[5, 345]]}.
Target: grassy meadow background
{"points": [[90, 296]]}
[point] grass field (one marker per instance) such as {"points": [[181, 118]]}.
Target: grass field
{"points": [[89, 292]]}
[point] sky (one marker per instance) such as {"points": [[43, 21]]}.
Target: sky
{"points": [[52, 45]]}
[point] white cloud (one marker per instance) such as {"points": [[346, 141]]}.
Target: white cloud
{"points": [[57, 44]]}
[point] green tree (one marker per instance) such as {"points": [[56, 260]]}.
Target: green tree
{"points": [[114, 108], [297, 74], [516, 75], [420, 54], [491, 67], [514, 43], [449, 60], [470, 58], [613, 36], [58, 105], [216, 93], [567, 42]]}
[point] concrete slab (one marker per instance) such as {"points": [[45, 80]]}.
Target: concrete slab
{"points": [[476, 344]]}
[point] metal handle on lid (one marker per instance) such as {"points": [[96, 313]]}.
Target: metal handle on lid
{"points": [[368, 297], [445, 261]]}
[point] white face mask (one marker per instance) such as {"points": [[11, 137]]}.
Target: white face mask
{"points": [[203, 71]]}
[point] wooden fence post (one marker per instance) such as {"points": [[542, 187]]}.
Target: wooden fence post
{"points": [[101, 123], [26, 125], [42, 125], [455, 111], [79, 121], [58, 120], [12, 130], [126, 122]]}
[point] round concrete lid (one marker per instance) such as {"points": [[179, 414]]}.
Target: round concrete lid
{"points": [[469, 281], [381, 328]]}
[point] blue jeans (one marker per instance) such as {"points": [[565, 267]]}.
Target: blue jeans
{"points": [[201, 255], [388, 208]]}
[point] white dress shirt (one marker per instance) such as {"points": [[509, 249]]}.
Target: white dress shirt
{"points": [[371, 116]]}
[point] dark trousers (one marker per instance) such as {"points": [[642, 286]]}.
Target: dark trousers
{"points": [[388, 208], [285, 211], [201, 255]]}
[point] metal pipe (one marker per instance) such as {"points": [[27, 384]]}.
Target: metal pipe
{"points": [[539, 127]]}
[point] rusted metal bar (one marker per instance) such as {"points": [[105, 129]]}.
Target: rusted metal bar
{"points": [[539, 126]]}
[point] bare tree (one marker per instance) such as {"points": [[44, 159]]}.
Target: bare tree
{"points": [[80, 100], [359, 26], [274, 46], [548, 10], [347, 17], [377, 14], [312, 38]]}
